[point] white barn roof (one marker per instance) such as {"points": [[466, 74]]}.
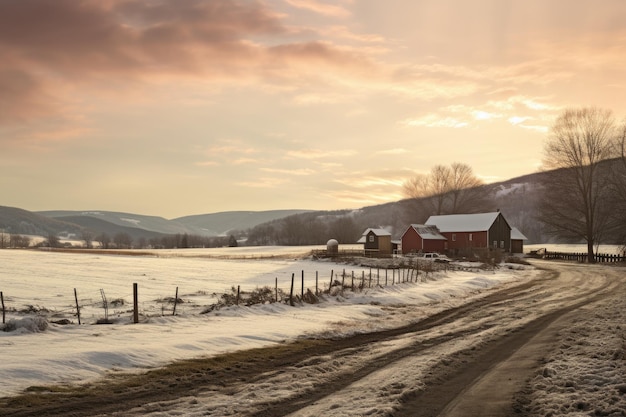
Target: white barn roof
{"points": [[479, 222]]}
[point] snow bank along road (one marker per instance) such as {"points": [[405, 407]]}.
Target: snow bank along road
{"points": [[502, 354]]}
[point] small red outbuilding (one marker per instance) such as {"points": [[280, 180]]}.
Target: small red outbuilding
{"points": [[423, 238]]}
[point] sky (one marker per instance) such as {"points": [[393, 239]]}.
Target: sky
{"points": [[173, 108]]}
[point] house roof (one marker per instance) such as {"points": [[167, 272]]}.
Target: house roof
{"points": [[517, 235], [428, 232], [377, 232], [478, 222]]}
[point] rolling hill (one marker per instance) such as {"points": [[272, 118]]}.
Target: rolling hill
{"points": [[217, 224], [517, 198]]}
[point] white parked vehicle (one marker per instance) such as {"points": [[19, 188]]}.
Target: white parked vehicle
{"points": [[432, 256]]}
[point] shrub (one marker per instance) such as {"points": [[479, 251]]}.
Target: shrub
{"points": [[261, 295], [27, 325]]}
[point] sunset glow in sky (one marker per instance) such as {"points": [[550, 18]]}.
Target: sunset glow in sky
{"points": [[180, 107]]}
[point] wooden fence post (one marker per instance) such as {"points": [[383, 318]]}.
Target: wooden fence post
{"points": [[3, 314], [316, 284], [276, 288], [291, 292], [238, 292], [105, 305], [175, 302], [75, 299], [135, 303], [331, 280], [343, 280], [302, 290]]}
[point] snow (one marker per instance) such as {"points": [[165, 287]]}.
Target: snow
{"points": [[517, 235], [40, 352], [586, 375], [43, 283], [478, 222], [574, 248], [504, 191], [428, 232]]}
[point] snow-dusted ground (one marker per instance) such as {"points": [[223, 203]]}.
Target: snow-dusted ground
{"points": [[575, 248], [586, 375], [43, 282], [39, 283]]}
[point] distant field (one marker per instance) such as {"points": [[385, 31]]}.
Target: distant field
{"points": [[553, 247]]}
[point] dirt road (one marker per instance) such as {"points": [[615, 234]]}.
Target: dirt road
{"points": [[475, 359]]}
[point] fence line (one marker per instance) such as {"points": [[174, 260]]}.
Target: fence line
{"points": [[582, 257], [405, 273]]}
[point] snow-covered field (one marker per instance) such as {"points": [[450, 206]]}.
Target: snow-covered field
{"points": [[42, 283], [574, 248], [39, 283]]}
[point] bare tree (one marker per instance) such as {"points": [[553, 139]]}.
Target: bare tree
{"points": [[4, 239], [416, 186], [104, 240], [53, 241], [440, 185], [87, 237], [123, 240], [429, 190], [466, 192], [446, 190], [19, 241], [574, 203]]}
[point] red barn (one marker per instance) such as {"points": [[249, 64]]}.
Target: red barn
{"points": [[423, 238], [474, 231]]}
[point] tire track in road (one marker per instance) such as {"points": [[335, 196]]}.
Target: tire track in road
{"points": [[479, 359], [230, 381], [486, 386], [500, 314]]}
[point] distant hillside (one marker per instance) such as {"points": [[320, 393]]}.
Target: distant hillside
{"points": [[98, 227], [218, 224], [22, 222], [516, 198], [129, 220], [215, 224]]}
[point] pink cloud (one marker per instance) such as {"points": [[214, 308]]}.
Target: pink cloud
{"points": [[319, 7], [21, 97], [49, 46], [127, 35]]}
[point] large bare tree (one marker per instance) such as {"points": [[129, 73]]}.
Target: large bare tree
{"points": [[575, 203], [446, 190], [466, 192]]}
